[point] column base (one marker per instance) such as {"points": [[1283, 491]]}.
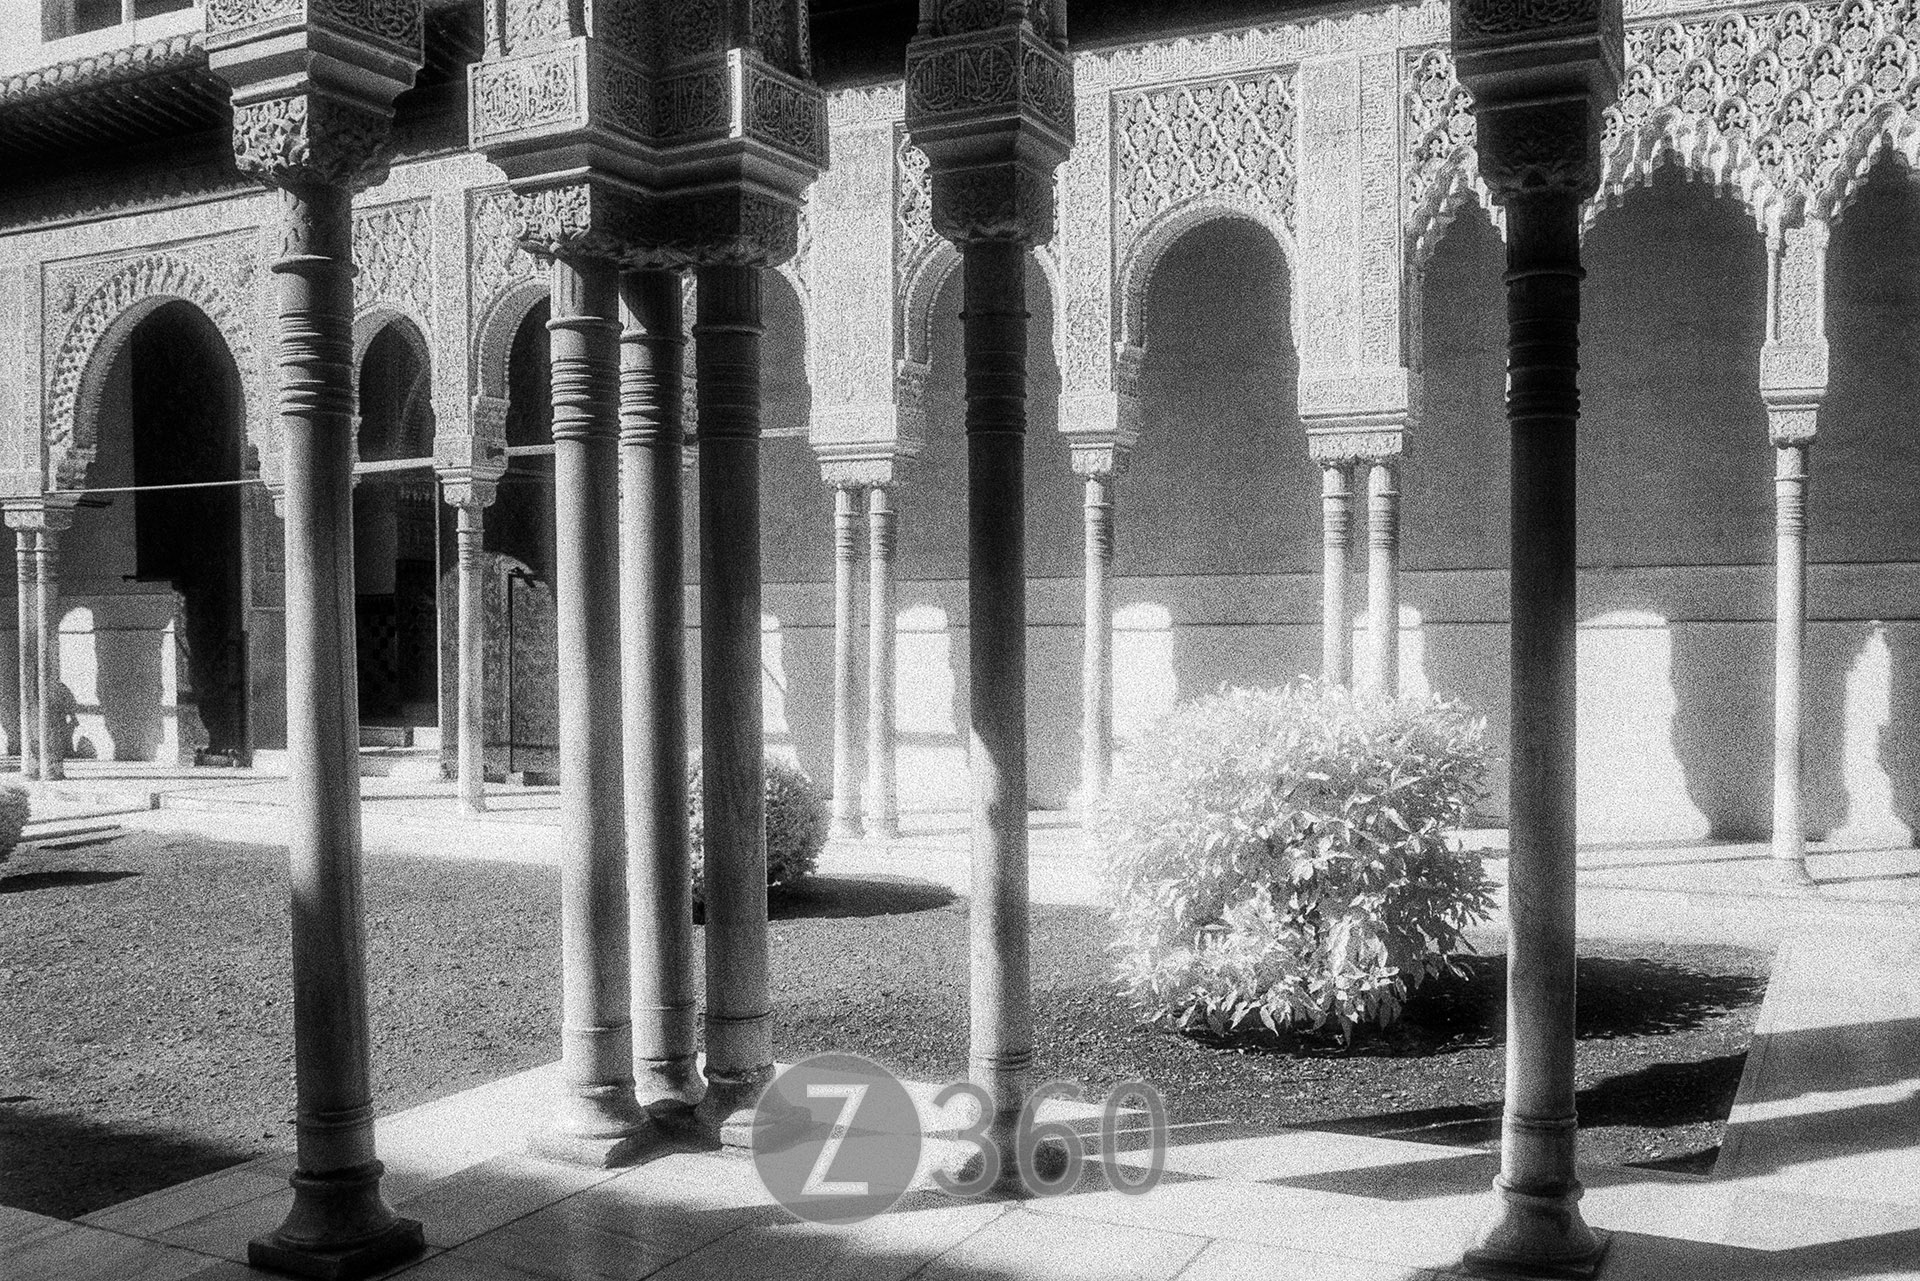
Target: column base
{"points": [[668, 1085], [339, 1229], [847, 829], [883, 829], [594, 1152], [1049, 1162], [1530, 1236], [732, 1113], [599, 1129]]}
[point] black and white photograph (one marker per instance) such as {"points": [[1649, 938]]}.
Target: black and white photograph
{"points": [[960, 640]]}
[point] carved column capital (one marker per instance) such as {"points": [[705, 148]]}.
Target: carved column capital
{"points": [[1112, 414], [311, 139], [989, 99], [1541, 73], [592, 217], [1099, 460], [49, 515], [852, 470], [471, 462], [1342, 446], [313, 85]]}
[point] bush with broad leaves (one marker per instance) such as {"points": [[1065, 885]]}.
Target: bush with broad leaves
{"points": [[798, 818], [1279, 859]]}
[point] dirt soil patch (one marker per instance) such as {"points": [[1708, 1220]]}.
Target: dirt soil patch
{"points": [[147, 1034]]}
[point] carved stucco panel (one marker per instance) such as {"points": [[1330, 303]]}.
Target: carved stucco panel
{"points": [[393, 258], [1784, 108], [84, 305], [1326, 270], [1259, 48], [853, 295], [1229, 142], [1381, 264], [1086, 250]]}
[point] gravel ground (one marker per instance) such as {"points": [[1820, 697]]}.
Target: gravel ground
{"points": [[147, 1037]]}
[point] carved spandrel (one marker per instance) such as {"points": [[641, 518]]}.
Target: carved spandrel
{"points": [[393, 255], [1226, 139]]}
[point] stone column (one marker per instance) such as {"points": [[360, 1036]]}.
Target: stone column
{"points": [[1383, 577], [1793, 382], [1790, 608], [1336, 545], [28, 645], [312, 148], [1096, 662], [599, 1122], [883, 800], [991, 164], [846, 564], [995, 322], [739, 1005], [1538, 106], [654, 680], [46, 574], [471, 679]]}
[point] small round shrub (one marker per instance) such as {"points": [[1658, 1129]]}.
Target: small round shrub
{"points": [[13, 816], [798, 818], [1279, 859]]}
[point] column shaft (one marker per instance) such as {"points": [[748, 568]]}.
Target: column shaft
{"points": [[599, 1120], [1790, 556], [655, 682], [846, 563], [1336, 539], [883, 798], [1537, 1219], [739, 1007], [994, 320], [1383, 577], [469, 529], [53, 729], [337, 1208], [28, 646], [1096, 666]]}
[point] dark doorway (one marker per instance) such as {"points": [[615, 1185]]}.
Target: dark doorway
{"points": [[186, 414], [395, 537]]}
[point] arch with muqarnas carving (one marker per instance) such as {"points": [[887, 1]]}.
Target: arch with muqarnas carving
{"points": [[102, 324], [1140, 257]]}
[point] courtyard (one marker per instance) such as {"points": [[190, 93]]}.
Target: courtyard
{"points": [[139, 1062]]}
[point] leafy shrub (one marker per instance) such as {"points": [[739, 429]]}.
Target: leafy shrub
{"points": [[1279, 859], [798, 818], [13, 816]]}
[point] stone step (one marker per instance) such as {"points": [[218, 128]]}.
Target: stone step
{"points": [[415, 764]]}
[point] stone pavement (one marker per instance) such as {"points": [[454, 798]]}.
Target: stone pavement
{"points": [[1819, 1176]]}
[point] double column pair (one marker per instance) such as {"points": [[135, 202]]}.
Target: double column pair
{"points": [[628, 1003], [42, 738], [879, 817], [1381, 668]]}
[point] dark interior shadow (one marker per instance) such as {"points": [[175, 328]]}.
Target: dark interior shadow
{"points": [[819, 897], [1660, 1094], [23, 882], [64, 1165]]}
